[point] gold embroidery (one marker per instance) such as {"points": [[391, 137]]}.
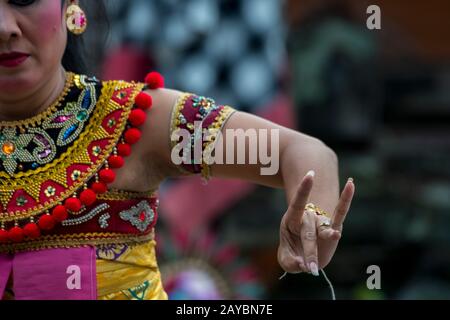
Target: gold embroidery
{"points": [[77, 240], [178, 108], [5, 197], [31, 182], [216, 127], [176, 122], [119, 195]]}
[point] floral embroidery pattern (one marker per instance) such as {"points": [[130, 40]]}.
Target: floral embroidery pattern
{"points": [[111, 252], [73, 117], [24, 148], [140, 216], [13, 149]]}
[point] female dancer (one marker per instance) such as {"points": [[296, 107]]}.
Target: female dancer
{"points": [[81, 160]]}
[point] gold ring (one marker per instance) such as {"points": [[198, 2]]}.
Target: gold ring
{"points": [[325, 224], [316, 210]]}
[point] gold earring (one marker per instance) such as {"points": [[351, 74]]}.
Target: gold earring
{"points": [[76, 19]]}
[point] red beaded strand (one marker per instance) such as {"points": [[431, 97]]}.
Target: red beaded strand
{"points": [[137, 118], [154, 80], [4, 236], [32, 231]]}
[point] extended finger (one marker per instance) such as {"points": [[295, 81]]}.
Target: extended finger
{"points": [[309, 242], [343, 206], [294, 214]]}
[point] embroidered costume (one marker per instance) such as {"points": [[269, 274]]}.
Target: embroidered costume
{"points": [[55, 201]]}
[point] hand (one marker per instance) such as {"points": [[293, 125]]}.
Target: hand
{"points": [[308, 241]]}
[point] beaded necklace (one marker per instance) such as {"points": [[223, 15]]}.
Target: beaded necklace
{"points": [[54, 165]]}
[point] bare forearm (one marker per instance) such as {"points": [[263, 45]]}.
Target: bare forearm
{"points": [[296, 154], [302, 156]]}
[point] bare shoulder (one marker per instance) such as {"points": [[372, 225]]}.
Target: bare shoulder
{"points": [[158, 126], [164, 99], [156, 132]]}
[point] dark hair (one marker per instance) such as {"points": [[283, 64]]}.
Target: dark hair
{"points": [[76, 58]]}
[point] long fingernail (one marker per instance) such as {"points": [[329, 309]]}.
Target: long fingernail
{"points": [[314, 269], [351, 180], [311, 173]]}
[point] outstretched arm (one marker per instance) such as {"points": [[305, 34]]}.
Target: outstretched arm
{"points": [[296, 153], [307, 171]]}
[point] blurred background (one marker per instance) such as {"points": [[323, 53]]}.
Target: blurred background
{"points": [[379, 98]]}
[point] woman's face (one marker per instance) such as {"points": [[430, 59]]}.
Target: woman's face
{"points": [[33, 38]]}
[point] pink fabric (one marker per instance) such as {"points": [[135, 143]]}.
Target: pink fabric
{"points": [[58, 274], [5, 272]]}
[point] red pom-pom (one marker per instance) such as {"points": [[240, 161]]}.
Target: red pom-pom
{"points": [[4, 236], [32, 231], [88, 197], [116, 162], [124, 149], [137, 118], [16, 234], [154, 80], [107, 176], [99, 187], [60, 213], [47, 222], [143, 101], [73, 204], [132, 136]]}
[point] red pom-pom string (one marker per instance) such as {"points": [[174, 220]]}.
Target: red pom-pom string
{"points": [[154, 80], [143, 101], [124, 149], [137, 118], [46, 222], [16, 234], [4, 236], [32, 230], [60, 213], [99, 187], [73, 204], [88, 197], [116, 162], [132, 136], [107, 176]]}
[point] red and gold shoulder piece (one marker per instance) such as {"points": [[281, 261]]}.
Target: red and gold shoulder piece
{"points": [[191, 113], [55, 168]]}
